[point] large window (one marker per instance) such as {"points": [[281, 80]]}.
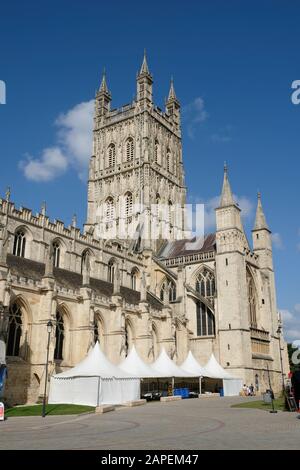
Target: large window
{"points": [[169, 169], [111, 272], [96, 331], [111, 155], [205, 285], [156, 152], [56, 254], [19, 243], [205, 320], [14, 330], [85, 262], [59, 336], [109, 210], [128, 205], [168, 290], [133, 279], [251, 300], [129, 149]]}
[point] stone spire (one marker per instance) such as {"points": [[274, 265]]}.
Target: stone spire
{"points": [[144, 67], [226, 197], [260, 219], [172, 94], [103, 86]]}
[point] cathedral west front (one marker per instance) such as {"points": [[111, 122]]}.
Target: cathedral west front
{"points": [[133, 275]]}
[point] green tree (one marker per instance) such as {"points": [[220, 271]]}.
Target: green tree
{"points": [[291, 351]]}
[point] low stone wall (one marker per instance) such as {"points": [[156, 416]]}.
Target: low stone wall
{"points": [[172, 398]]}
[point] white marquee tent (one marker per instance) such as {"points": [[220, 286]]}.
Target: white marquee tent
{"points": [[167, 368], [231, 385], [192, 365], [133, 364], [94, 381]]}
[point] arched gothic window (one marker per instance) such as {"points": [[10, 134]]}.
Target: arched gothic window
{"points": [[168, 287], [133, 279], [170, 213], [205, 285], [85, 262], [56, 254], [155, 344], [128, 337], [59, 336], [169, 161], [156, 151], [109, 210], [14, 330], [111, 155], [205, 320], [251, 300], [157, 208], [19, 244], [128, 205], [111, 271], [96, 330], [129, 149]]}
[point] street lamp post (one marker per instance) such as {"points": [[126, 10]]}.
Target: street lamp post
{"points": [[281, 364], [49, 329]]}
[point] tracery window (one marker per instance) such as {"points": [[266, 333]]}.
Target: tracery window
{"points": [[168, 287], [205, 285], [19, 244], [14, 330], [251, 300], [111, 271], [128, 205], [111, 155], [129, 149], [59, 336], [56, 254], [109, 210], [205, 320]]}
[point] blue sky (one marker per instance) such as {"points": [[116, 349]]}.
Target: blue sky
{"points": [[233, 65]]}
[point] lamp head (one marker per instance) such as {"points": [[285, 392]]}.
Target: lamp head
{"points": [[49, 326]]}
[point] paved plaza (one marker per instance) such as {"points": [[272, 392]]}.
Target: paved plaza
{"points": [[188, 424]]}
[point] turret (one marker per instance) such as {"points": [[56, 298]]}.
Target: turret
{"points": [[228, 214], [144, 84], [102, 101], [261, 235], [173, 105]]}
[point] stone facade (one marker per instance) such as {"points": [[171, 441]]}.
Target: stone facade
{"points": [[219, 297]]}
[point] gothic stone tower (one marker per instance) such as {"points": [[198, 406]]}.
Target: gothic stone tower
{"points": [[136, 166]]}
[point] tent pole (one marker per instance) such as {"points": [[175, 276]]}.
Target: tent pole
{"points": [[173, 383], [98, 391], [200, 385]]}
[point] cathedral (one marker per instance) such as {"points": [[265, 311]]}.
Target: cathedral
{"points": [[133, 275]]}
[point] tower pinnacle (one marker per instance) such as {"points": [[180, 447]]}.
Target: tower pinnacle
{"points": [[172, 94], [144, 67], [103, 86], [226, 197], [260, 219]]}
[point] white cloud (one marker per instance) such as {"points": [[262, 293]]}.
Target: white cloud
{"points": [[277, 241], [194, 114], [73, 147], [291, 324], [245, 204], [286, 315], [51, 164], [223, 135]]}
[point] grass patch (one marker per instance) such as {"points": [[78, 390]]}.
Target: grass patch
{"points": [[260, 405], [36, 410]]}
